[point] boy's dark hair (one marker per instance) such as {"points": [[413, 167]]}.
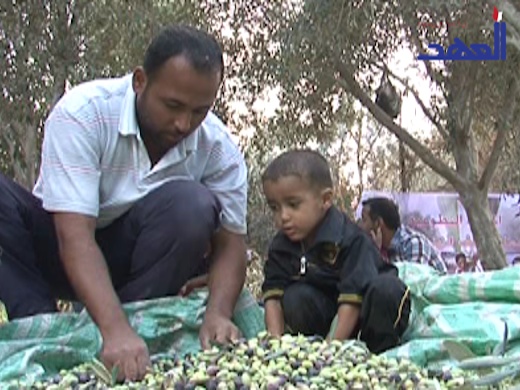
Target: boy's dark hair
{"points": [[200, 48], [304, 163], [385, 209]]}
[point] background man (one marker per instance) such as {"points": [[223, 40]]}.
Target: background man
{"points": [[380, 217]]}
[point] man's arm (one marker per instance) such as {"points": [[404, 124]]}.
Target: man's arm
{"points": [[71, 171], [228, 272], [86, 269], [226, 280]]}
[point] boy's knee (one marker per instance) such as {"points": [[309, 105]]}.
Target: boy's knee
{"points": [[386, 311], [385, 287], [307, 310], [295, 295], [297, 316]]}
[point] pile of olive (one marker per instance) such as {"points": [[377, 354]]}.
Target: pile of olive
{"points": [[264, 362]]}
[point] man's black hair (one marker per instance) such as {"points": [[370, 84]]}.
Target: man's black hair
{"points": [[459, 255], [304, 163], [384, 208], [200, 48]]}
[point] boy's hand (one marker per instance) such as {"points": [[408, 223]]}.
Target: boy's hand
{"points": [[274, 321], [348, 316]]}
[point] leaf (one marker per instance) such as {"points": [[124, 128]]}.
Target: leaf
{"points": [[458, 351], [333, 328], [101, 371], [115, 371], [497, 377], [486, 362], [500, 349]]}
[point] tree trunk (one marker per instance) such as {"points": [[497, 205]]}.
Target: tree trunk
{"points": [[485, 232], [465, 179], [402, 168]]}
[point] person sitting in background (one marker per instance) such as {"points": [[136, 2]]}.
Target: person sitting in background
{"points": [[376, 237], [475, 264], [380, 217], [462, 263]]}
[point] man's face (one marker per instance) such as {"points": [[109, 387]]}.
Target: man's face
{"points": [[175, 101], [367, 223], [297, 208]]}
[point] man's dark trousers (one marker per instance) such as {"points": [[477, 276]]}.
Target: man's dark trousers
{"points": [[151, 251]]}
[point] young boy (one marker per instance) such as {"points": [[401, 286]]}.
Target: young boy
{"points": [[321, 264]]}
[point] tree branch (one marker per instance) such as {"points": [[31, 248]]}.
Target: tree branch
{"points": [[419, 101], [469, 98], [371, 143], [503, 127], [351, 85], [414, 36], [512, 16]]}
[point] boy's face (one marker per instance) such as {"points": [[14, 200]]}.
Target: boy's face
{"points": [[297, 207]]}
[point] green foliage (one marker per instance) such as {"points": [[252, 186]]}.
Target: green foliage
{"points": [[295, 49]]}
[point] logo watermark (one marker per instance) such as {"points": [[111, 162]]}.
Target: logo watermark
{"points": [[458, 51]]}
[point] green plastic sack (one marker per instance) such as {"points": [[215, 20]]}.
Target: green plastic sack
{"points": [[470, 309], [40, 346]]}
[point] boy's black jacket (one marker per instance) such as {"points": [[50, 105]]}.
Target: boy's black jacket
{"points": [[342, 261]]}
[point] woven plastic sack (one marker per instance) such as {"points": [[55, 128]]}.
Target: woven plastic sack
{"points": [[471, 309], [40, 346]]}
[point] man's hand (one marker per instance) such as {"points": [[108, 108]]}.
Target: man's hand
{"points": [[217, 329], [377, 236], [192, 284], [226, 280], [125, 350], [89, 276]]}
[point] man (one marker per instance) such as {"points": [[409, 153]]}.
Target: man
{"points": [[137, 174], [380, 217]]}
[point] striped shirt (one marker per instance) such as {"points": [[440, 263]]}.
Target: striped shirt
{"points": [[412, 246], [95, 163]]}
